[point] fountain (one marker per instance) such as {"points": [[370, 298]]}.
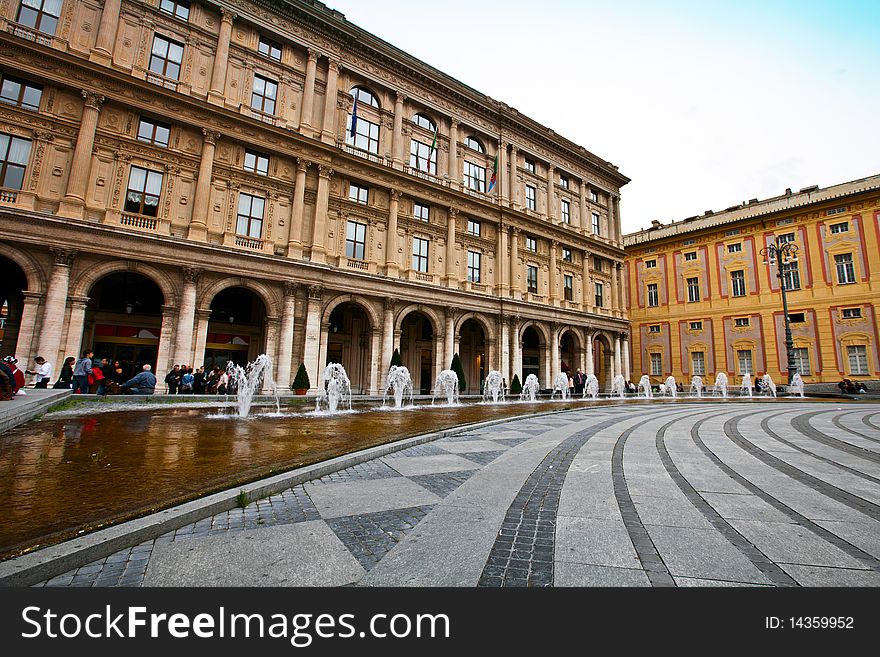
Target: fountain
{"points": [[493, 386], [697, 386], [645, 384], [769, 386], [746, 385], [334, 387], [670, 386], [530, 388], [560, 383], [721, 384], [591, 387], [400, 384], [618, 386], [247, 380], [797, 385], [447, 384]]}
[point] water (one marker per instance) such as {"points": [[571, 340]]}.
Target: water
{"points": [[493, 387], [671, 386], [400, 384], [560, 384], [618, 386], [721, 384], [697, 386], [746, 386], [591, 387], [248, 380], [447, 385], [335, 386], [797, 385], [645, 385], [530, 388], [768, 385]]}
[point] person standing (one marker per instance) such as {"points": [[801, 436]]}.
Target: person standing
{"points": [[81, 372], [172, 380], [7, 383], [43, 373], [65, 379], [199, 381], [17, 374], [579, 382], [222, 382]]}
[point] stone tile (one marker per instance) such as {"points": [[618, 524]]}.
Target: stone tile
{"points": [[371, 536], [669, 512], [595, 542], [428, 449], [473, 446], [587, 495], [789, 543], [693, 582], [578, 574], [421, 465], [481, 458], [442, 484], [744, 507], [864, 535], [818, 576], [359, 497]]}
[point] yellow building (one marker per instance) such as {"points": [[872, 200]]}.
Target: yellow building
{"points": [[703, 300]]}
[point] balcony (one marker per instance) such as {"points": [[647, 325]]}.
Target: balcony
{"points": [[419, 276], [139, 222], [249, 243], [476, 287], [8, 195], [357, 265], [161, 81], [366, 155], [424, 175], [269, 119], [31, 34]]}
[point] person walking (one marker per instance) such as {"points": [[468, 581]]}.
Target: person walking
{"points": [[143, 383], [81, 373], [43, 373]]}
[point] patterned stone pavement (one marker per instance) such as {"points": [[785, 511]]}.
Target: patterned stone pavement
{"points": [[698, 494]]}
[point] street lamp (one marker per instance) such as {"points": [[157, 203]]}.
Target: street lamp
{"points": [[783, 254]]}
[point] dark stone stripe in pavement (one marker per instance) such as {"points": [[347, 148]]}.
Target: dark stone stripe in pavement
{"points": [[510, 442], [444, 483], [802, 424], [370, 536], [765, 425], [753, 554], [868, 422], [842, 427], [481, 458]]}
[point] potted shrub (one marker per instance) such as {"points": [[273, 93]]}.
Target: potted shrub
{"points": [[301, 382], [515, 385], [459, 370]]}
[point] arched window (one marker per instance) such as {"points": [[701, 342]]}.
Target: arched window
{"points": [[474, 143], [424, 122], [364, 96]]}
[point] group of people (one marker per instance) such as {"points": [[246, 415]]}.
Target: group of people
{"points": [[183, 380], [852, 387]]}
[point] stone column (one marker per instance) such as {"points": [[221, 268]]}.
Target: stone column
{"points": [[554, 286], [72, 205], [551, 195], [328, 135], [183, 338], [502, 263], [202, 318], [451, 278], [502, 167], [75, 325], [24, 344], [102, 53], [272, 323], [449, 348], [617, 363], [319, 236], [397, 135], [217, 94], [454, 172], [547, 370], [514, 188], [387, 339], [198, 224], [392, 264], [588, 300], [312, 348], [555, 365], [284, 364], [613, 290], [163, 354], [590, 364], [375, 374], [514, 271], [515, 351], [626, 368], [582, 221], [294, 245], [614, 216], [308, 102], [504, 348], [439, 342], [55, 307]]}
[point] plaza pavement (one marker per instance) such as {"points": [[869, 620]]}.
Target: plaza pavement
{"points": [[635, 494]]}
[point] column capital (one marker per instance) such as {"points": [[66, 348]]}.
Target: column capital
{"points": [[93, 100], [453, 123], [333, 64], [554, 244], [313, 54], [315, 292], [227, 15], [63, 257], [210, 137], [396, 194], [290, 288], [324, 171], [453, 213], [399, 97], [388, 304], [302, 165], [191, 274], [516, 230]]}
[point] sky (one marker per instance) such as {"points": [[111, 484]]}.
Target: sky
{"points": [[702, 104]]}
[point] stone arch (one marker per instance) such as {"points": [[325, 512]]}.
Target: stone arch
{"points": [[365, 304], [87, 280], [264, 292], [479, 318], [540, 329], [33, 273], [572, 353], [603, 358], [427, 311]]}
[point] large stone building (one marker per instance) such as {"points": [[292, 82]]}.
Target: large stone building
{"points": [[703, 300], [181, 183]]}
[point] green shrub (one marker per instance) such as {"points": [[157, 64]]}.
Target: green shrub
{"points": [[515, 385], [459, 371], [396, 359], [301, 380]]}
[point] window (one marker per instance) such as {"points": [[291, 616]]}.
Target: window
{"points": [[474, 176], [473, 227], [14, 155], [532, 279], [269, 49], [594, 197], [829, 213], [366, 134], [531, 244], [355, 240], [656, 364], [563, 181], [421, 212], [144, 187], [690, 255], [530, 165], [153, 132], [256, 162], [473, 266], [596, 230], [846, 273], [785, 238], [264, 93], [178, 8], [566, 254], [424, 122], [650, 264], [734, 248], [797, 318], [21, 93], [568, 287], [688, 242], [858, 359], [474, 144], [698, 360], [599, 290], [166, 56], [738, 283], [598, 263], [362, 95], [565, 208], [653, 295], [654, 328], [41, 15], [422, 156], [852, 313], [791, 277], [840, 228], [250, 215], [744, 358], [802, 360], [420, 254], [693, 289], [358, 193], [696, 326], [741, 322], [731, 233], [530, 197]]}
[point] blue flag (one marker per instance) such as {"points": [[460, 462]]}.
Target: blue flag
{"points": [[354, 117]]}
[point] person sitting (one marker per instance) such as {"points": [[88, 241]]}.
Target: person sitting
{"points": [[143, 383], [861, 387], [847, 386]]}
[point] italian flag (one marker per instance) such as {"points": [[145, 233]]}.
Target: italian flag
{"points": [[494, 177]]}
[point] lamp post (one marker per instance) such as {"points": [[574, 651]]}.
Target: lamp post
{"points": [[784, 256]]}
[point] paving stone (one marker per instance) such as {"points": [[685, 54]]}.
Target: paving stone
{"points": [[422, 465], [789, 543], [579, 574], [370, 536], [594, 542], [442, 484], [367, 496], [817, 576]]}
